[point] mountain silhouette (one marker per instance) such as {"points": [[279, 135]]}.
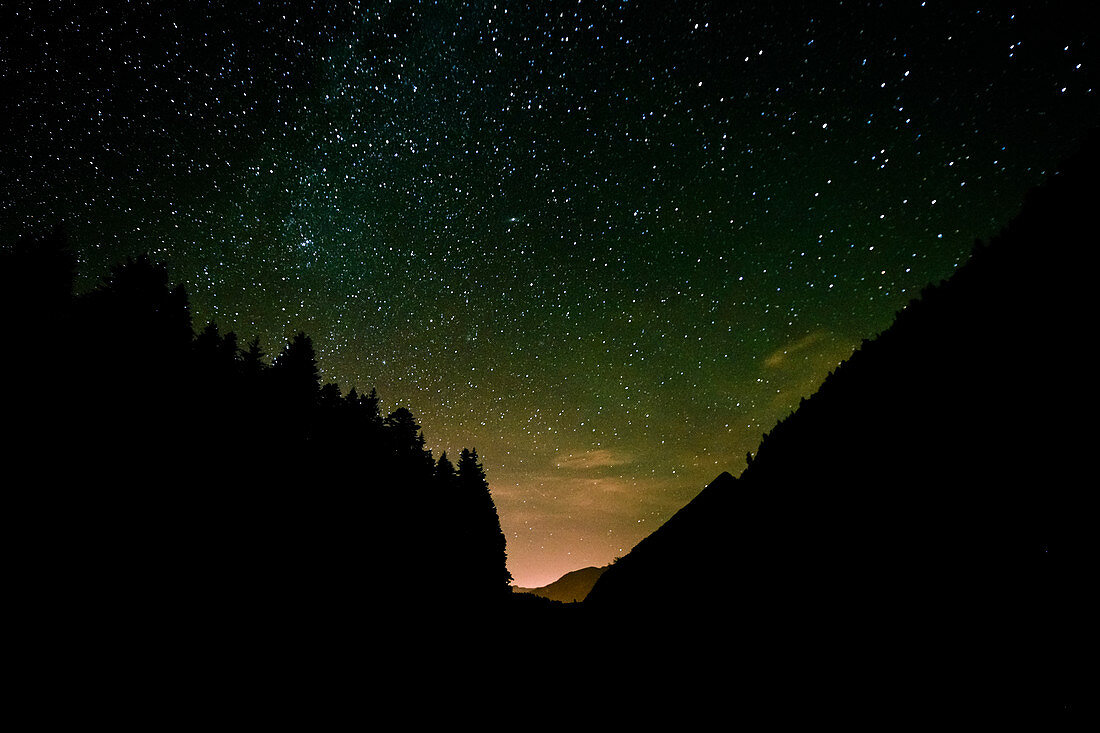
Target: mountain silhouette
{"points": [[569, 588], [910, 538]]}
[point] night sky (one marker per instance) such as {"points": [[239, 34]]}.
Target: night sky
{"points": [[607, 244]]}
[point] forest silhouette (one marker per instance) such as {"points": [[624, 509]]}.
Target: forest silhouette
{"points": [[162, 478]]}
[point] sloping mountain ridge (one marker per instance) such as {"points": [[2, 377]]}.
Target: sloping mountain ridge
{"points": [[919, 514], [572, 587]]}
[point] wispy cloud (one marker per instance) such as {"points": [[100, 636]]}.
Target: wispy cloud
{"points": [[782, 356], [798, 368], [601, 458]]}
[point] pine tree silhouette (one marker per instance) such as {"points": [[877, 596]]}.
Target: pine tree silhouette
{"points": [[481, 539], [446, 477], [296, 380]]}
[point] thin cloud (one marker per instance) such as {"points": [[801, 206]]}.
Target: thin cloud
{"points": [[782, 356], [601, 458]]}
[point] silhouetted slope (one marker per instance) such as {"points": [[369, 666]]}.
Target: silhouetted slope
{"points": [[920, 517], [169, 487], [571, 587], [657, 569]]}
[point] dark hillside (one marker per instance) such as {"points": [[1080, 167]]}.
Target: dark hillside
{"points": [[174, 490], [569, 588], [919, 519]]}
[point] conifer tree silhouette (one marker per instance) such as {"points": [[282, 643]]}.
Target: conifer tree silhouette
{"points": [[372, 414], [252, 360], [446, 478], [296, 380], [406, 441], [482, 542], [297, 368]]}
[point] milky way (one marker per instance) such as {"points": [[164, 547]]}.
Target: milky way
{"points": [[608, 244]]}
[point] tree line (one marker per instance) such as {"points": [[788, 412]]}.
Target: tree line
{"points": [[190, 471]]}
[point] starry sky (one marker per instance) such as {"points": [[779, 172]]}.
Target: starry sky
{"points": [[607, 244]]}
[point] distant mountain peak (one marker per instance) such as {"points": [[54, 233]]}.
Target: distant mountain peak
{"points": [[572, 587]]}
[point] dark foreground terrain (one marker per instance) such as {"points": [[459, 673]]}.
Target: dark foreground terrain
{"points": [[908, 544]]}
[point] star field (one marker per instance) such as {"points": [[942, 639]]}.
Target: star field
{"points": [[608, 244]]}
